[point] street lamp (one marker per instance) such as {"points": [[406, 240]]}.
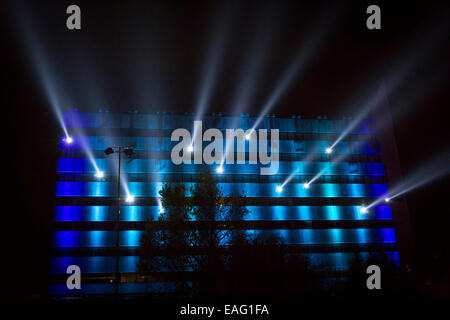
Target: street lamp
{"points": [[128, 151]]}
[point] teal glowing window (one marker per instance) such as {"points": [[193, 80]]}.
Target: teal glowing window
{"points": [[274, 213], [131, 238], [151, 189], [166, 166]]}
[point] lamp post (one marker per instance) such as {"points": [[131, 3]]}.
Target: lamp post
{"points": [[128, 151]]}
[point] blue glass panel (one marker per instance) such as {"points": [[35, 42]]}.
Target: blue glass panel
{"points": [[340, 260], [151, 189], [86, 288], [130, 238], [334, 236], [300, 236], [143, 213], [94, 264], [168, 121], [142, 287], [87, 213], [86, 264], [165, 144], [109, 165], [331, 261], [316, 213], [84, 238]]}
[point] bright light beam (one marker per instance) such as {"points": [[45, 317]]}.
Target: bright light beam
{"points": [[399, 70], [81, 139], [279, 188], [211, 68], [289, 178], [424, 175], [251, 72], [42, 67], [317, 176], [252, 69], [335, 161], [46, 73], [304, 53]]}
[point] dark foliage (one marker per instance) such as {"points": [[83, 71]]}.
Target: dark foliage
{"points": [[194, 245]]}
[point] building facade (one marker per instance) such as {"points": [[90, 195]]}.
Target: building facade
{"points": [[324, 222]]}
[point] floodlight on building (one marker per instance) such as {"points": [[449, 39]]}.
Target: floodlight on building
{"points": [[68, 140], [99, 174]]}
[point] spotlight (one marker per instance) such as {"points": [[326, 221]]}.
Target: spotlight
{"points": [[279, 189], [129, 199], [363, 210], [247, 137], [68, 140], [99, 174], [161, 210], [219, 169], [306, 186], [190, 148], [386, 199], [108, 151], [328, 150]]}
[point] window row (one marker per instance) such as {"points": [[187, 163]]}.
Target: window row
{"points": [[131, 238], [273, 213], [151, 189], [165, 155], [255, 178], [165, 144], [109, 165], [330, 261], [170, 121]]}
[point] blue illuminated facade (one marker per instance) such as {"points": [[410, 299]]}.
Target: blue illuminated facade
{"points": [[323, 222]]}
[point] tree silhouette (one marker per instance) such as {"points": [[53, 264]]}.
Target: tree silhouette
{"points": [[190, 235], [198, 243], [263, 266]]}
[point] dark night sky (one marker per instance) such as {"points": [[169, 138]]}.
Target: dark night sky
{"points": [[151, 57]]}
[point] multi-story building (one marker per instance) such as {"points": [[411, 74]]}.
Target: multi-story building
{"points": [[325, 222]]}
